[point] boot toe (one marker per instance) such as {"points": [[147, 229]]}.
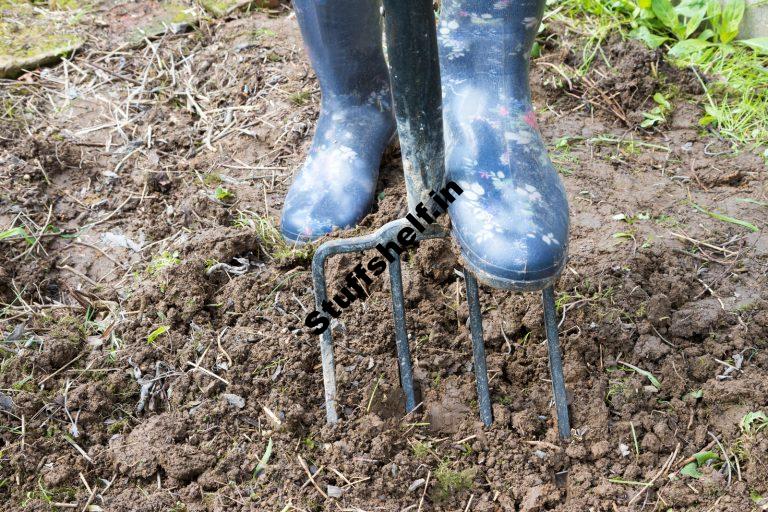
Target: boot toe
{"points": [[512, 259], [307, 222]]}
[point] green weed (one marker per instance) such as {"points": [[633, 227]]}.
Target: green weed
{"points": [[163, 260], [272, 241], [450, 482], [701, 34]]}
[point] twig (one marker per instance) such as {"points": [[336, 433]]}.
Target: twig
{"points": [[664, 468], [311, 478], [424, 493]]}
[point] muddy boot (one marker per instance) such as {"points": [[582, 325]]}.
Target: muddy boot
{"points": [[335, 187], [512, 219]]}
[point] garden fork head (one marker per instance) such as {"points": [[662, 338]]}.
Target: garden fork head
{"points": [[415, 78]]}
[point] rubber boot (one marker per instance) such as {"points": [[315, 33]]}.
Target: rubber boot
{"points": [[335, 187], [512, 219]]}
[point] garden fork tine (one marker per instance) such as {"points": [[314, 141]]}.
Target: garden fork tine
{"points": [[382, 235], [553, 348]]}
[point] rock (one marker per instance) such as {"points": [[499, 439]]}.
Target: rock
{"points": [[755, 22], [32, 39], [416, 484], [234, 400], [334, 492], [537, 497], [6, 403]]}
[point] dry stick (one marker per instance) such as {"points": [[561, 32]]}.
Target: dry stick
{"points": [[663, 469], [726, 459], [99, 249], [196, 366], [426, 486], [110, 72], [78, 448], [341, 475], [311, 478], [60, 369], [37, 239], [317, 473], [92, 493], [78, 274], [723, 250], [544, 444], [466, 509], [692, 458], [218, 343]]}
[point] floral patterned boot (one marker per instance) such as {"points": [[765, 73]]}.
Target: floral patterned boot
{"points": [[512, 219], [335, 187]]}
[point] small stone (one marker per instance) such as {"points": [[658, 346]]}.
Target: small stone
{"points": [[235, 400], [334, 492], [624, 450], [6, 403], [416, 484]]}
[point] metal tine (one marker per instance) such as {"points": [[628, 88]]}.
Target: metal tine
{"points": [[383, 235], [326, 339], [401, 334], [556, 364], [478, 349]]}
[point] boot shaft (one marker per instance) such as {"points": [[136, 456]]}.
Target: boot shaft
{"points": [[344, 41], [489, 40]]}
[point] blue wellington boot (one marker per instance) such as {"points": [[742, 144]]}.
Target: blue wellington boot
{"points": [[335, 187], [512, 219]]}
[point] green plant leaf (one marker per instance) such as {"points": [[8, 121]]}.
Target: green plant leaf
{"points": [[644, 4], [157, 333], [689, 48], [726, 218], [752, 417], [733, 12], [691, 470], [264, 459], [714, 10], [19, 232], [661, 100], [694, 11], [650, 39], [758, 44], [703, 457], [645, 373], [665, 12]]}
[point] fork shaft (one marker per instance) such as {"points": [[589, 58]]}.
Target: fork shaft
{"points": [[556, 364], [414, 70], [401, 334], [478, 349]]}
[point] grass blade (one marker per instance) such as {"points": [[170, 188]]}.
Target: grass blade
{"points": [[726, 218]]}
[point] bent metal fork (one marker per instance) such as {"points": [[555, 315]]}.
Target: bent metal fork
{"points": [[416, 90]]}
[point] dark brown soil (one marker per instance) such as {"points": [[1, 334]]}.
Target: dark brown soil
{"points": [[132, 379]]}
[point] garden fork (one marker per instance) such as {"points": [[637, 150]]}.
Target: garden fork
{"points": [[415, 77]]}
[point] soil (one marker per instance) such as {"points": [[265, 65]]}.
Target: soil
{"points": [[136, 375]]}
